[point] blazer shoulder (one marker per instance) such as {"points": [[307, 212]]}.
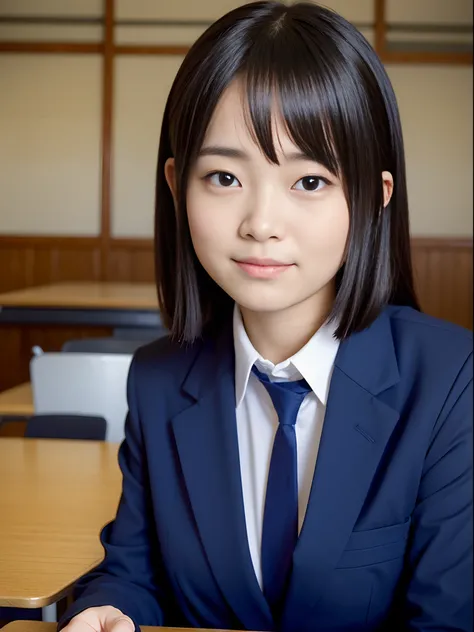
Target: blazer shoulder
{"points": [[432, 338], [164, 360]]}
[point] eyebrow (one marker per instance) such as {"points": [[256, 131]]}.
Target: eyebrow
{"points": [[238, 154]]}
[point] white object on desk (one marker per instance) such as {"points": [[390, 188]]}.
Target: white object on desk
{"points": [[83, 384]]}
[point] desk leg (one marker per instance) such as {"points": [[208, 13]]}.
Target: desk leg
{"points": [[49, 613]]}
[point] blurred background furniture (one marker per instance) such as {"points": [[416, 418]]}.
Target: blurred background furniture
{"points": [[82, 383], [48, 316], [83, 427], [103, 345]]}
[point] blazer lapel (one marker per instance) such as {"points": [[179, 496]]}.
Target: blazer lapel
{"points": [[356, 430], [207, 444]]}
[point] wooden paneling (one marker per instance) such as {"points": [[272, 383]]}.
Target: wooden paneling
{"points": [[131, 260], [16, 344], [443, 267], [28, 261], [443, 272]]}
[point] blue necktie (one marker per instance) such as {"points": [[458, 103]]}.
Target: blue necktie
{"points": [[280, 519]]}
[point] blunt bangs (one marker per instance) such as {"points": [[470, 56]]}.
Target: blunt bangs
{"points": [[312, 68]]}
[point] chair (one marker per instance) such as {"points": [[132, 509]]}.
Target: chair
{"points": [[140, 333], [84, 427], [102, 345], [91, 384]]}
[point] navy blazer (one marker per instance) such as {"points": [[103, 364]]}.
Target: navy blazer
{"points": [[387, 538]]}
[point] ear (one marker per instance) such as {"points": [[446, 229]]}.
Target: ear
{"points": [[170, 175], [387, 180]]}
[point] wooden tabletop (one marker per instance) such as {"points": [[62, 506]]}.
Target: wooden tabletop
{"points": [[39, 626], [84, 295], [55, 496], [17, 401]]}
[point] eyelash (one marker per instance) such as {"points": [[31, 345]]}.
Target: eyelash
{"points": [[226, 173]]}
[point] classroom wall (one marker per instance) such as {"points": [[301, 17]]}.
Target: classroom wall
{"points": [[54, 203], [50, 144], [50, 114]]}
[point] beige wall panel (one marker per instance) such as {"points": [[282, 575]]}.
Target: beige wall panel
{"points": [[158, 35], [429, 11], [188, 10], [50, 33], [436, 111], [359, 11], [86, 8], [186, 35], [430, 38], [141, 89], [50, 144], [437, 125], [209, 10], [369, 35]]}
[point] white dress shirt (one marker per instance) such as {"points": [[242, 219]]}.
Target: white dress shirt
{"points": [[257, 421]]}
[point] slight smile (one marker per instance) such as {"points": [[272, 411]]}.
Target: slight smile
{"points": [[263, 268]]}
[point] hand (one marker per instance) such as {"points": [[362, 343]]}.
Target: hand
{"points": [[102, 619]]}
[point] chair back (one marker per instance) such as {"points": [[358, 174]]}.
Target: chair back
{"points": [[102, 345], [82, 384], [140, 333]]}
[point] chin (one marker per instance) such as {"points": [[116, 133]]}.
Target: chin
{"points": [[262, 301]]}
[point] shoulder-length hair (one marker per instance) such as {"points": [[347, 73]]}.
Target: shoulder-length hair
{"points": [[339, 109]]}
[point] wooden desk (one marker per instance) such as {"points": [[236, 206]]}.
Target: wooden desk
{"points": [[104, 304], [88, 295], [38, 626], [50, 315], [17, 401], [55, 496]]}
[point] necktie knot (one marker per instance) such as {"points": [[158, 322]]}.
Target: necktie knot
{"points": [[287, 397]]}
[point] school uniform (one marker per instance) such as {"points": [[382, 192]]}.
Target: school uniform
{"points": [[384, 484]]}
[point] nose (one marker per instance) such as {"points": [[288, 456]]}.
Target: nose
{"points": [[262, 220]]}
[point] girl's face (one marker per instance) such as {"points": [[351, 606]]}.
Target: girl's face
{"points": [[271, 236]]}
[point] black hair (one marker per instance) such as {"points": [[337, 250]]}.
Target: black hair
{"points": [[339, 108]]}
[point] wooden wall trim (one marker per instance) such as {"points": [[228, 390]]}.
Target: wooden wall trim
{"points": [[48, 241], [442, 243], [51, 47], [148, 49], [399, 57], [387, 57], [145, 243], [107, 115], [127, 243], [380, 26]]}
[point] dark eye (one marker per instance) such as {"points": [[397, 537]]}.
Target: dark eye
{"points": [[310, 183], [223, 179]]}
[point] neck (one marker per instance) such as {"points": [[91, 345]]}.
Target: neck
{"points": [[279, 335]]}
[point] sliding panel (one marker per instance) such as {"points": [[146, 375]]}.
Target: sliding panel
{"points": [[436, 110], [142, 85], [51, 21], [429, 26], [50, 114], [146, 22]]}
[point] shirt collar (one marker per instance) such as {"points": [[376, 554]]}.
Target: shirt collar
{"points": [[314, 362]]}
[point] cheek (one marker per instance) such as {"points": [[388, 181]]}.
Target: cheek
{"points": [[325, 234], [209, 226]]}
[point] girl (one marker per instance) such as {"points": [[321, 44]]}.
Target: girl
{"points": [[297, 452]]}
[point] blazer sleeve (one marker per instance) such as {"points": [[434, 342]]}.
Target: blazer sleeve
{"points": [[440, 591], [128, 577]]}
